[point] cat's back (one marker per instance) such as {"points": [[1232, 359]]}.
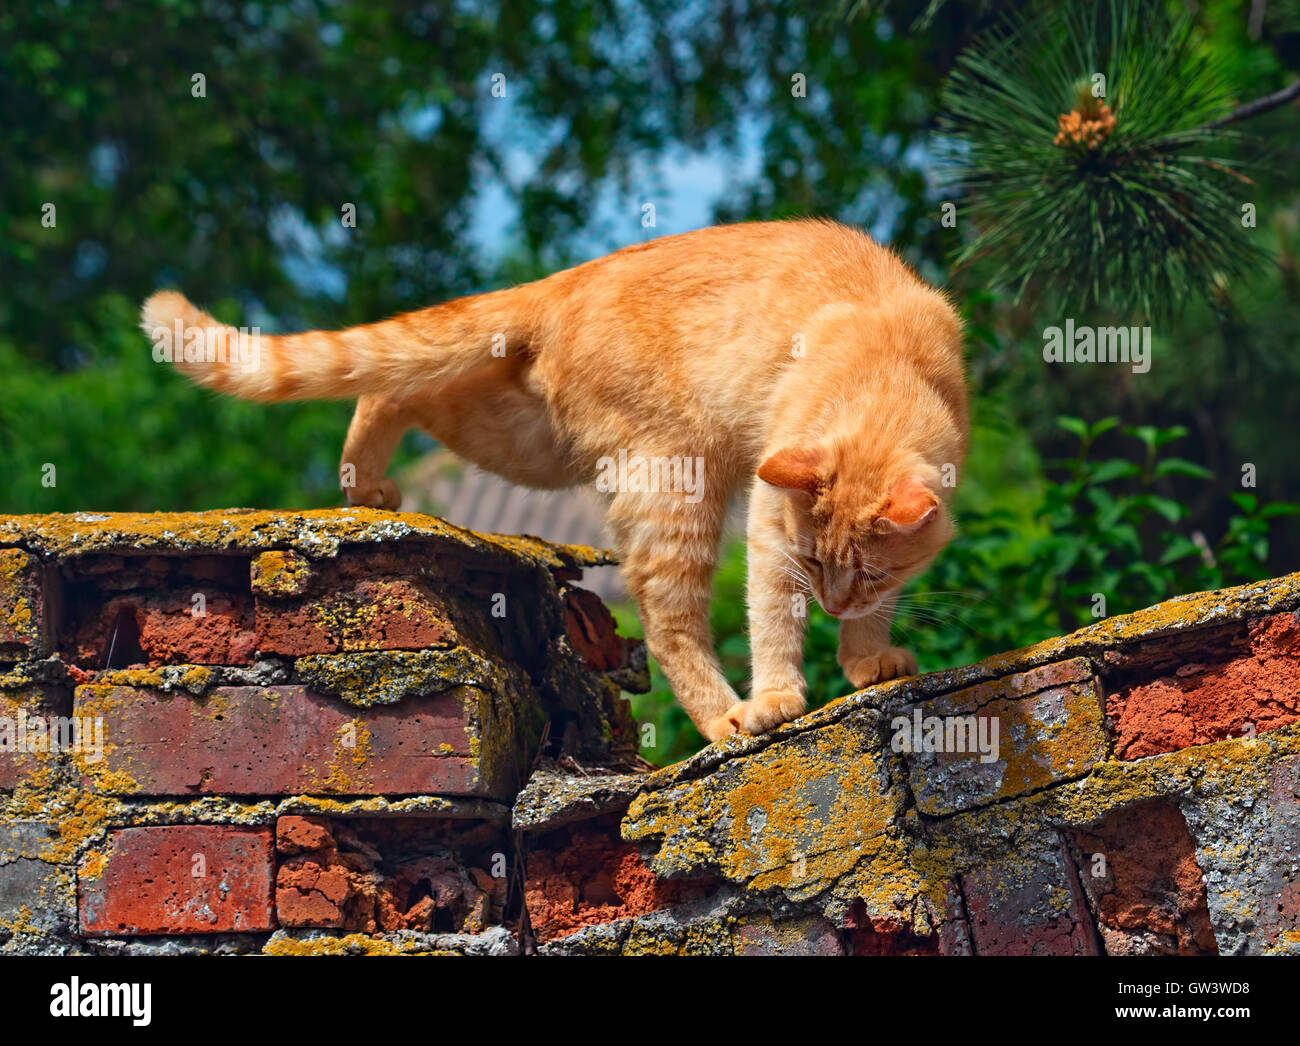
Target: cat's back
{"points": [[734, 288], [711, 316], [804, 253]]}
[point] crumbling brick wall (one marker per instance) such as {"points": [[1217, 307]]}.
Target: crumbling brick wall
{"points": [[356, 731], [242, 730]]}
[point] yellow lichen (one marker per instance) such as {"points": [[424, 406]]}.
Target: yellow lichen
{"points": [[317, 532], [349, 944], [13, 562], [346, 771]]}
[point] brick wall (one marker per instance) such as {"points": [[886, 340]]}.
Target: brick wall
{"points": [[243, 731], [357, 731]]}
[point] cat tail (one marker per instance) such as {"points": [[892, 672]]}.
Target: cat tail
{"points": [[390, 357]]}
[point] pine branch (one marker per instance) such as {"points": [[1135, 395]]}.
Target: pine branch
{"points": [[1260, 105], [1128, 203]]}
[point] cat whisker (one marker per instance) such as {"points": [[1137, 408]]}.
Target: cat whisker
{"points": [[933, 617], [798, 582], [795, 563], [952, 594], [941, 608], [904, 604], [939, 614]]}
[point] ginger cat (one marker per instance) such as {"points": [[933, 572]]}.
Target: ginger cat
{"points": [[798, 359]]}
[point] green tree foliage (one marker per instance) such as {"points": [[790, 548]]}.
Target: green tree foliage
{"points": [[234, 194], [1224, 340], [231, 187]]}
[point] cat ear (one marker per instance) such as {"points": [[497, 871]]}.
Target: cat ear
{"points": [[793, 469], [911, 505]]}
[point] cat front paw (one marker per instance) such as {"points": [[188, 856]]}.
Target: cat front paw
{"points": [[758, 715], [383, 494], [890, 663], [732, 721], [769, 708]]}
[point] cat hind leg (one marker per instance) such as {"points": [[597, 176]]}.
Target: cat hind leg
{"points": [[377, 426]]}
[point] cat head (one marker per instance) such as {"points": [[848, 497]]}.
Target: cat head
{"points": [[857, 534]]}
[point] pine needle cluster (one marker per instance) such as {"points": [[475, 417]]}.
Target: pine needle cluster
{"points": [[1083, 141]]}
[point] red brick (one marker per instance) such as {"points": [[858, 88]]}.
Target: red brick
{"points": [[586, 875], [286, 740], [147, 883], [319, 891], [25, 753], [1147, 890], [593, 633], [295, 834], [382, 614], [867, 936], [22, 606], [167, 632], [1200, 703], [323, 884], [1026, 904]]}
